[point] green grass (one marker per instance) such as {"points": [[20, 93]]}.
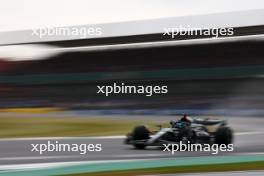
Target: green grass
{"points": [[68, 126], [184, 169]]}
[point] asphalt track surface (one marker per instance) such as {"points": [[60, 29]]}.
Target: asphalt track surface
{"points": [[248, 141]]}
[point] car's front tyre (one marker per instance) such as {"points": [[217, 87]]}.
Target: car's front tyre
{"points": [[224, 135], [140, 133]]}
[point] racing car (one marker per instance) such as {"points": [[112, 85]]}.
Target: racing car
{"points": [[209, 131]]}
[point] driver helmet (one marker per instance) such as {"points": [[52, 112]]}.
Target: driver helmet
{"points": [[186, 118]]}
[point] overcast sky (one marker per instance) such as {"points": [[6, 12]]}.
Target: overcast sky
{"points": [[34, 14], [28, 14]]}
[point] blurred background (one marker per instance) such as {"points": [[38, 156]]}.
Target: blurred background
{"points": [[63, 71], [218, 78]]}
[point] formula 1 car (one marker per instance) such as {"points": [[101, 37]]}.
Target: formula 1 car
{"points": [[195, 131]]}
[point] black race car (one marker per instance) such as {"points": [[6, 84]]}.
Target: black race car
{"points": [[193, 131]]}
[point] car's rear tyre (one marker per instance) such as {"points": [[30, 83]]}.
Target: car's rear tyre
{"points": [[140, 133], [224, 135], [140, 146]]}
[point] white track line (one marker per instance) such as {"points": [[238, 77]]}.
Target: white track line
{"points": [[78, 156], [100, 137], [37, 157], [249, 133], [62, 138], [16, 167], [4, 168]]}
